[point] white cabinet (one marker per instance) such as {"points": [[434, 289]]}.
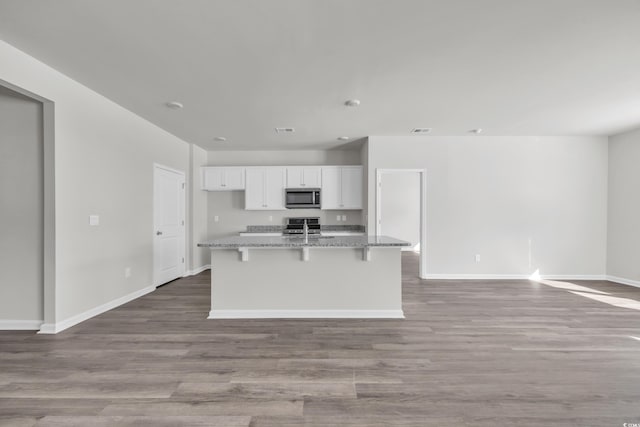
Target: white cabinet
{"points": [[351, 187], [223, 178], [342, 187], [264, 185], [331, 195], [264, 189], [303, 176]]}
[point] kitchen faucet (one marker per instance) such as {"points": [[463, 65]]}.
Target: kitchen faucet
{"points": [[306, 231]]}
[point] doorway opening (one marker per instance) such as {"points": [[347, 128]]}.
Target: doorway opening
{"points": [[27, 297], [401, 209]]}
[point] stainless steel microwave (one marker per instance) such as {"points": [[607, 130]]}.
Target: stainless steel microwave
{"points": [[302, 198]]}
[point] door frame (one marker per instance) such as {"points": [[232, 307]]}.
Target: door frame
{"points": [[183, 239], [49, 229], [423, 210]]}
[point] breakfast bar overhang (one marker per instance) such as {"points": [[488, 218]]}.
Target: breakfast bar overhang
{"points": [[314, 277]]}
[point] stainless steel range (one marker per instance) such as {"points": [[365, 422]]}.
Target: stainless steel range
{"points": [[296, 226]]}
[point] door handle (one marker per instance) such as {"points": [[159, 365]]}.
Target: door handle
{"points": [[158, 233]]}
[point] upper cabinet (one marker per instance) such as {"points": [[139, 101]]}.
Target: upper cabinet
{"points": [[223, 178], [265, 185], [303, 177], [342, 187], [265, 188], [351, 187]]}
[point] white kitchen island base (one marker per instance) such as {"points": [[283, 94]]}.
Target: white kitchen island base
{"points": [[334, 282]]}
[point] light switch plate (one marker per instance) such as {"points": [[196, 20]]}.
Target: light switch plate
{"points": [[216, 218], [94, 220]]}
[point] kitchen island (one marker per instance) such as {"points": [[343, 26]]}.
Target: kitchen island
{"points": [[298, 277]]}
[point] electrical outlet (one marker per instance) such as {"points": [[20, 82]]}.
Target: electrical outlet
{"points": [[337, 217], [270, 218], [344, 217], [477, 257], [94, 220], [216, 218], [127, 272]]}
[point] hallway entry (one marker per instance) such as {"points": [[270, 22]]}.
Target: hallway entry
{"points": [[21, 211]]}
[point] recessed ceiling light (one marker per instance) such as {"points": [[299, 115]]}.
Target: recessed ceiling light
{"points": [[343, 138], [479, 130], [352, 103], [174, 105], [285, 130], [220, 139], [421, 130]]}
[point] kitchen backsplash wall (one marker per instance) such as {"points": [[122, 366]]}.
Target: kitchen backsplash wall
{"points": [[228, 206]]}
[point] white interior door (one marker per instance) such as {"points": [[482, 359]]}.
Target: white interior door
{"points": [[169, 225]]}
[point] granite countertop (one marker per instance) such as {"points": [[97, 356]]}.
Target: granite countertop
{"points": [[300, 242]]}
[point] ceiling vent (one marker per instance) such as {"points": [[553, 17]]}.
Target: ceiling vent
{"points": [[285, 130], [421, 130]]}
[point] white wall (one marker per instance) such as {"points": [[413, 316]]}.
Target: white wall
{"points": [[284, 157], [493, 195], [199, 257], [229, 205], [104, 157], [400, 206], [364, 160], [21, 210], [623, 248]]}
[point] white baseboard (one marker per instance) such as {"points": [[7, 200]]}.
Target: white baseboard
{"points": [[306, 314], [574, 277], [474, 276], [20, 325], [54, 328], [197, 270], [624, 281], [512, 277]]}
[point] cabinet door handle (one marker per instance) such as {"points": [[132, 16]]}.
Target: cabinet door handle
{"points": [[158, 233]]}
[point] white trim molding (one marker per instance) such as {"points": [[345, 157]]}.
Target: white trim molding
{"points": [[574, 277], [623, 281], [54, 328], [306, 314], [197, 270], [513, 277], [20, 325]]}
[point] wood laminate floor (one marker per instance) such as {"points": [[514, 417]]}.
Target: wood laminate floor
{"points": [[469, 353]]}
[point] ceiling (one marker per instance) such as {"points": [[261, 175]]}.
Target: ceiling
{"points": [[243, 67]]}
